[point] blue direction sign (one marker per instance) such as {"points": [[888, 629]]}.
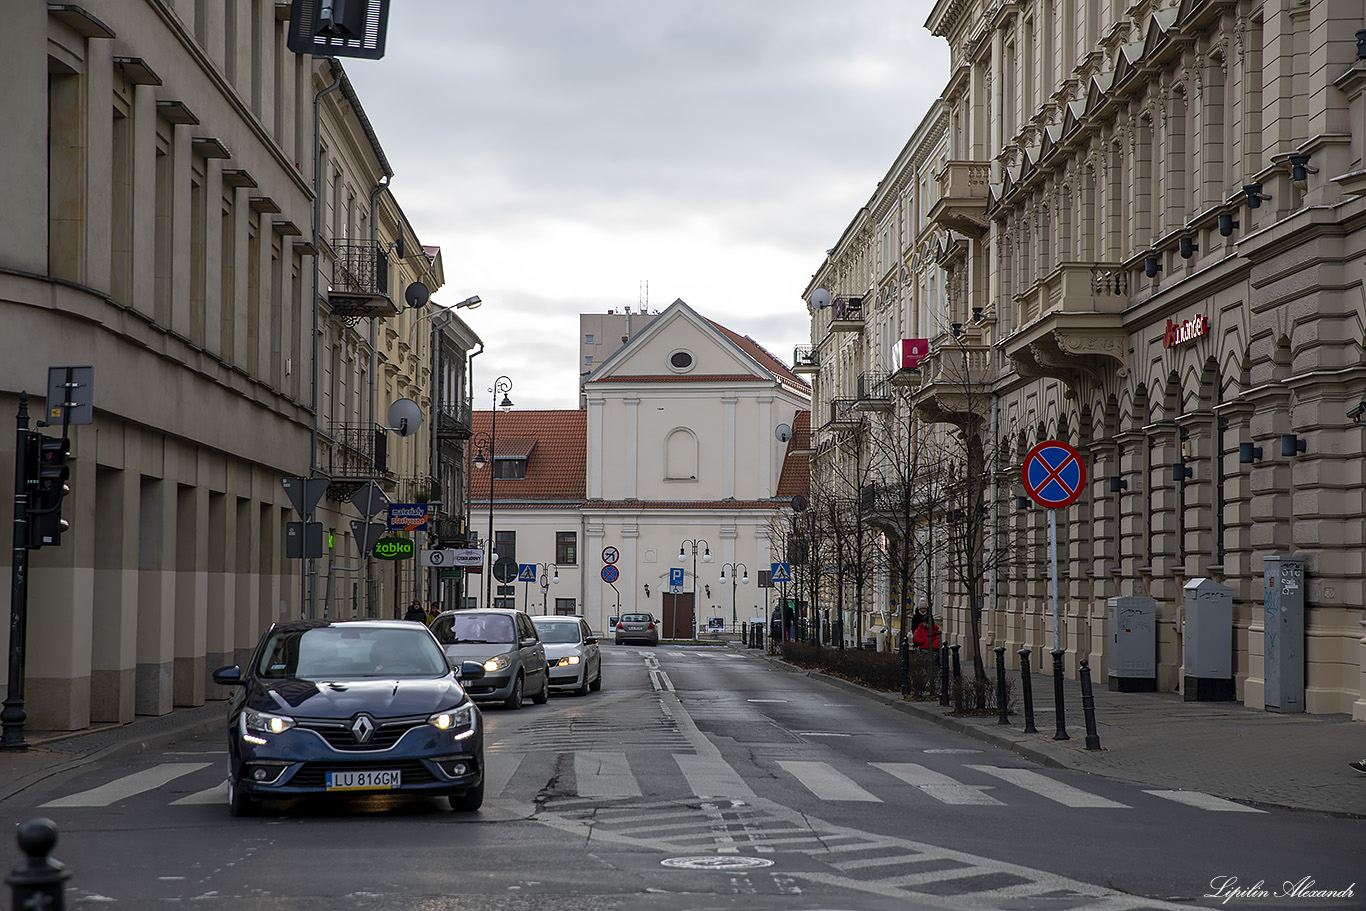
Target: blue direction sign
{"points": [[675, 577], [526, 572], [782, 572], [610, 573], [1053, 474]]}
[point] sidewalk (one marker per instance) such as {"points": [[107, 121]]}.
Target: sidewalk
{"points": [[1158, 740]]}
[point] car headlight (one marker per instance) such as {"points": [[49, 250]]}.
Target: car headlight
{"points": [[255, 723], [460, 722], [496, 663], [571, 659]]}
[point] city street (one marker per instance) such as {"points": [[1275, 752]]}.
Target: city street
{"points": [[698, 778]]}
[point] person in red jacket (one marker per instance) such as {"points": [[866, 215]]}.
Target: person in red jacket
{"points": [[926, 635]]}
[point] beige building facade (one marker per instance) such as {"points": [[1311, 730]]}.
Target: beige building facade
{"points": [[1150, 224], [158, 225]]}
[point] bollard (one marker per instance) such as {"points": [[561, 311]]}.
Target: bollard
{"points": [[744, 635], [944, 675], [1088, 706], [758, 635], [40, 882], [957, 680], [1000, 651], [957, 668], [1057, 695], [1028, 692]]}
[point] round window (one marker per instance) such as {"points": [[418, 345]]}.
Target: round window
{"points": [[680, 360]]}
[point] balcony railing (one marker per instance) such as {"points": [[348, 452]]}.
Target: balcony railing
{"points": [[805, 359], [843, 412], [455, 419], [874, 393], [360, 281], [1076, 288], [357, 452], [964, 188]]}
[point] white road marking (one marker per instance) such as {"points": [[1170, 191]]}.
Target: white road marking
{"points": [[604, 775], [128, 785], [1044, 786], [822, 780], [498, 771], [712, 776], [937, 785], [1204, 801], [216, 794]]}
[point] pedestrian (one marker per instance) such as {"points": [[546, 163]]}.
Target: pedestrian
{"points": [[927, 635], [921, 615], [415, 613], [433, 612], [1359, 765]]}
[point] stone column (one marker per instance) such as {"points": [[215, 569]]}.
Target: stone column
{"points": [[191, 552], [156, 596], [114, 617], [1164, 569]]}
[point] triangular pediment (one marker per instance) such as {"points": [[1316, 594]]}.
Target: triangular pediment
{"points": [[1095, 91], [1158, 26]]}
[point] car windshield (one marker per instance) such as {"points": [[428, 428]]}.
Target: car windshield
{"points": [[336, 652], [474, 627], [557, 633], [635, 618]]}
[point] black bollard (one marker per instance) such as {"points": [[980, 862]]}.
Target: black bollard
{"points": [[1028, 692], [1057, 695], [1088, 706], [1000, 651], [957, 668], [944, 675], [39, 882], [957, 680]]}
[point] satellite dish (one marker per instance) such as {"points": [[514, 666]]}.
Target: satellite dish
{"points": [[783, 433], [398, 246], [417, 295], [799, 503], [404, 417], [820, 299]]}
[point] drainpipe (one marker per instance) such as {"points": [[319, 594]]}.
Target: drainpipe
{"points": [[374, 364], [465, 466]]}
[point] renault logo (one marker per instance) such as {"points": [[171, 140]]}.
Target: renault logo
{"points": [[363, 728]]}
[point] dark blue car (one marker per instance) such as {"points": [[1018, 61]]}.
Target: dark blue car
{"points": [[346, 707]]}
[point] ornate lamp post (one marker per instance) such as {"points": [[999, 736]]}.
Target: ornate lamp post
{"points": [[501, 385], [706, 558], [745, 579], [543, 570]]}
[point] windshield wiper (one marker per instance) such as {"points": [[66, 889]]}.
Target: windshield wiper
{"points": [[476, 641]]}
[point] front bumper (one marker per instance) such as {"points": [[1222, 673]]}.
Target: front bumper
{"points": [[492, 687], [568, 677], [297, 761]]}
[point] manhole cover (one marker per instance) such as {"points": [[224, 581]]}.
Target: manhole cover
{"points": [[708, 862]]}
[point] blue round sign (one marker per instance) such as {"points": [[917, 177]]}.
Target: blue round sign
{"points": [[609, 573], [1053, 474]]}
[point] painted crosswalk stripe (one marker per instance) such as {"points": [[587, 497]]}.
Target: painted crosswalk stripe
{"points": [[822, 780], [710, 776], [128, 785], [1044, 786], [1204, 801], [938, 785], [498, 771], [604, 775], [216, 794]]}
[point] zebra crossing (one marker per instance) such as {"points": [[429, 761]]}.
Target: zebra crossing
{"points": [[606, 775]]}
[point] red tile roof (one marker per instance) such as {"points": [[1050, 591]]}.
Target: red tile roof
{"points": [[555, 444], [761, 354], [682, 504], [795, 479]]}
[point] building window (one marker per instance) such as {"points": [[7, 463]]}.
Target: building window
{"points": [[565, 607], [588, 339], [681, 361], [509, 469], [588, 360], [566, 548], [505, 545]]}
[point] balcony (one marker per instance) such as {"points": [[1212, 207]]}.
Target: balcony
{"points": [[874, 393], [848, 315], [843, 415], [1071, 323], [352, 455], [964, 189], [805, 360], [956, 379], [455, 419], [360, 281]]}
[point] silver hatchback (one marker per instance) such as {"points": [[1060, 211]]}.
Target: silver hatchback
{"points": [[637, 628], [508, 646], [571, 651]]}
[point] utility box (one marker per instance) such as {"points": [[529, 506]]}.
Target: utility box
{"points": [[1132, 661], [1207, 640], [1284, 635]]}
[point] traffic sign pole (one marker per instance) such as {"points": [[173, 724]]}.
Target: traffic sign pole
{"points": [[1053, 559], [1054, 475]]}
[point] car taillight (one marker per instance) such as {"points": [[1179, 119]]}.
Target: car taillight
{"points": [[619, 625], [649, 626]]}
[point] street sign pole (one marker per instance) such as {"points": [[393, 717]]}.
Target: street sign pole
{"points": [[1054, 475], [1053, 563]]}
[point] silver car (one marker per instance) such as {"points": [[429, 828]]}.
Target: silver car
{"points": [[637, 627], [507, 644], [572, 653]]}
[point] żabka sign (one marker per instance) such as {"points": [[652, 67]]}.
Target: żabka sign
{"points": [[1185, 331]]}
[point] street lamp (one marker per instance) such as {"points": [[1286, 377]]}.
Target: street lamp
{"points": [[745, 579], [543, 569], [501, 385], [706, 558]]}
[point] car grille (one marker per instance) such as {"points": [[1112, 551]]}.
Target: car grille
{"points": [[339, 737], [314, 774]]}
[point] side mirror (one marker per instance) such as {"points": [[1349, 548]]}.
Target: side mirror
{"points": [[228, 676], [470, 670], [591, 640], [529, 642]]}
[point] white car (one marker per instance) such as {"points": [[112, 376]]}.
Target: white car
{"points": [[571, 654]]}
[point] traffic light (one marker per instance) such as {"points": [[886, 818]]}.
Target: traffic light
{"points": [[45, 522]]}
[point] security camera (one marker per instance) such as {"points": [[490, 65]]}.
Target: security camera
{"points": [[1357, 412]]}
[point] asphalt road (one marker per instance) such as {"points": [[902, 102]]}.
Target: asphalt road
{"points": [[697, 779]]}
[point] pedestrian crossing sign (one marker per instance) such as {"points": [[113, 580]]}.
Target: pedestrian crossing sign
{"points": [[526, 572], [782, 572]]}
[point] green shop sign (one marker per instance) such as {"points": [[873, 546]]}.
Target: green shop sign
{"points": [[394, 549]]}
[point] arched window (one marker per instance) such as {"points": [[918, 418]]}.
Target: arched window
{"points": [[680, 455]]}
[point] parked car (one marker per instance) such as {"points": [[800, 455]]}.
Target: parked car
{"points": [[571, 653], [343, 707], [637, 627], [506, 643]]}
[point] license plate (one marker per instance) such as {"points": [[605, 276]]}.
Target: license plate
{"points": [[363, 780]]}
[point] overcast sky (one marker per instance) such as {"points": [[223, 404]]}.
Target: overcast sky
{"points": [[563, 153]]}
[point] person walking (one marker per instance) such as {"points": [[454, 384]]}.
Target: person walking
{"points": [[433, 612], [926, 635], [1359, 765], [415, 613]]}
